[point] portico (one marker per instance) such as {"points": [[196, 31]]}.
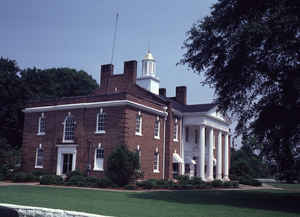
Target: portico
{"points": [[205, 143]]}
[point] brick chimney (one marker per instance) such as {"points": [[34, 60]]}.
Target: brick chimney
{"points": [[162, 92], [181, 94], [130, 68], [106, 72]]}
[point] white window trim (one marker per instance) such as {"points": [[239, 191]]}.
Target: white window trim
{"points": [[141, 125], [99, 131], [95, 164], [64, 123], [39, 133], [156, 170], [158, 131], [36, 157]]}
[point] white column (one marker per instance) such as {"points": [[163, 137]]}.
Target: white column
{"points": [[219, 156], [210, 174], [226, 158], [201, 158]]}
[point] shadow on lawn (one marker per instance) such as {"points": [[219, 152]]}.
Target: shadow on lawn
{"points": [[265, 200]]}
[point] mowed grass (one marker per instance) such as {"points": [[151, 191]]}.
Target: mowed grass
{"points": [[159, 204], [290, 187]]}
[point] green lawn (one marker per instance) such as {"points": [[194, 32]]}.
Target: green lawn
{"points": [[159, 204], [290, 187]]}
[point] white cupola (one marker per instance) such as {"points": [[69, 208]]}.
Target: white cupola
{"points": [[148, 65], [148, 80]]}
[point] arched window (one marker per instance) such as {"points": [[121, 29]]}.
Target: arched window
{"points": [[100, 126], [42, 125], [69, 127]]}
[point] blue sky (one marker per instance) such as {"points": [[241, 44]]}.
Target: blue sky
{"points": [[79, 34]]}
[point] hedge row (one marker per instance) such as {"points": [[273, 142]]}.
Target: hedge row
{"points": [[185, 184]]}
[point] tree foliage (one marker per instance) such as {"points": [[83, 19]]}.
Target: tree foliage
{"points": [[56, 82], [248, 163], [19, 86], [249, 51], [11, 95], [121, 165]]}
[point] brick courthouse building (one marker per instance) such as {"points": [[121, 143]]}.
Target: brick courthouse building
{"points": [[171, 137]]}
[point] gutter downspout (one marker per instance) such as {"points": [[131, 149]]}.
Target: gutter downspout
{"points": [[164, 145]]}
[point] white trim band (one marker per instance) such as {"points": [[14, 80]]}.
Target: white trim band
{"points": [[95, 105]]}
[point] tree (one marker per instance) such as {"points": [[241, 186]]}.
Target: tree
{"points": [[247, 161], [56, 82], [121, 165], [11, 95], [19, 86], [249, 51]]}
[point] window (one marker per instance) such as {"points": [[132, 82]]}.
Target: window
{"points": [[175, 132], [100, 122], [99, 157], [187, 169], [39, 157], [156, 162], [139, 151], [69, 127], [157, 128], [138, 127], [187, 134], [175, 170], [196, 136], [42, 125]]}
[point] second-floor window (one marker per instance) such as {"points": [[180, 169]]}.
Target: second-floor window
{"points": [[100, 126], [42, 125], [138, 124], [69, 127], [157, 128]]}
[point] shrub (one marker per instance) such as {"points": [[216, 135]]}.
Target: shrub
{"points": [[105, 182], [74, 173], [183, 180], [164, 183], [122, 165], [147, 184], [235, 184], [51, 180], [217, 183], [2, 177], [252, 182], [92, 181], [130, 187], [77, 180], [4, 171], [196, 181], [39, 173], [23, 177]]}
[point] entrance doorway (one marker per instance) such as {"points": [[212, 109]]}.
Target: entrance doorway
{"points": [[66, 159], [67, 163]]}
